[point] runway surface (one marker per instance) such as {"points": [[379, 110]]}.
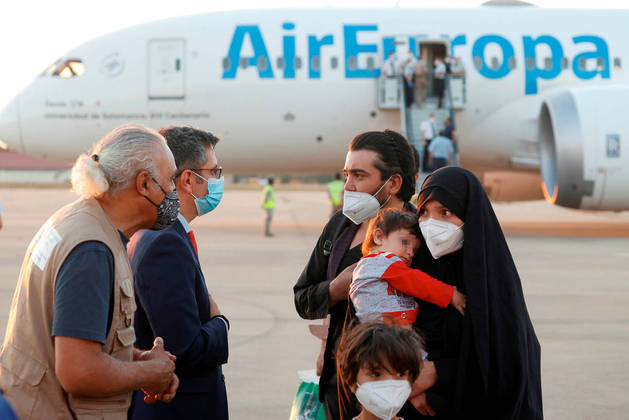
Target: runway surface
{"points": [[573, 266]]}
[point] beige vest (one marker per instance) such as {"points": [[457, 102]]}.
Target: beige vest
{"points": [[27, 359]]}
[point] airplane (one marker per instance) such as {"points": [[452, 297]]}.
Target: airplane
{"points": [[543, 96]]}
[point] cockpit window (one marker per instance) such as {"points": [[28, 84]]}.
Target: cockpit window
{"points": [[66, 69]]}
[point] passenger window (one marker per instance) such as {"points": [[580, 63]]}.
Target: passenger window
{"points": [[600, 62], [478, 62], [244, 62], [582, 63], [69, 68], [511, 63], [564, 62], [370, 63], [297, 62], [351, 63], [494, 63], [334, 62], [315, 63], [617, 63], [227, 63], [530, 63], [262, 63], [281, 63], [548, 63]]}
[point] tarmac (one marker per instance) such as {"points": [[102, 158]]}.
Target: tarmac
{"points": [[573, 265]]}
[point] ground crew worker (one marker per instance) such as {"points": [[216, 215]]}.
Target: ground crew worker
{"points": [[68, 350], [268, 204], [335, 193]]}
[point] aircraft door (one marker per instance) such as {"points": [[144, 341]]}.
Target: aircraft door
{"points": [[166, 69]]}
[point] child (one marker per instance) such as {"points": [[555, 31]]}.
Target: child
{"points": [[379, 363], [383, 284]]}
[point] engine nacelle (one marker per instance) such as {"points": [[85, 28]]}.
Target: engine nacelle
{"points": [[584, 147]]}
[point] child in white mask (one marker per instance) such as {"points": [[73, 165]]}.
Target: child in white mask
{"points": [[383, 287], [379, 363]]}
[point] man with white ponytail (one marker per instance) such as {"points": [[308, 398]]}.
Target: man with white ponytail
{"points": [[173, 300], [68, 350]]}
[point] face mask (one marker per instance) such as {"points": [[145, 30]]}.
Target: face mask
{"points": [[167, 210], [383, 399], [215, 188], [441, 237], [358, 206]]}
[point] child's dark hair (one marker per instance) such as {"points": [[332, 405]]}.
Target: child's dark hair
{"points": [[374, 345], [389, 220]]}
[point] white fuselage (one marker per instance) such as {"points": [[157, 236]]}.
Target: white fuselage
{"points": [[285, 123]]}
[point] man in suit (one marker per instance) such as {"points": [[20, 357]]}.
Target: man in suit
{"points": [[172, 299]]}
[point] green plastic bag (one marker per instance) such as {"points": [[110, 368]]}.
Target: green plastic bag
{"points": [[306, 405]]}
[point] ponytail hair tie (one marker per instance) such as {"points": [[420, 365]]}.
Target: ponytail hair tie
{"points": [[95, 157]]}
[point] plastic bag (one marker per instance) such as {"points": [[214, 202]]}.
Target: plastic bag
{"points": [[306, 405]]}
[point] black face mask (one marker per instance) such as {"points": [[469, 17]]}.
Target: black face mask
{"points": [[167, 210]]}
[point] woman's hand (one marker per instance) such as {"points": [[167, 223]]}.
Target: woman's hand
{"points": [[427, 378], [339, 287], [459, 301], [420, 404]]}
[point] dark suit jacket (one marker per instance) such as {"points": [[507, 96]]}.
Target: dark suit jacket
{"points": [[173, 303]]}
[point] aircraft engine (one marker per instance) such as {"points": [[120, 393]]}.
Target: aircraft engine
{"points": [[584, 147]]}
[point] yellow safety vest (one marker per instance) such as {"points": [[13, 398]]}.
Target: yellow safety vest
{"points": [[270, 203], [336, 190]]}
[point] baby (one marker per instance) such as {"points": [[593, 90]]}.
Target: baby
{"points": [[384, 286]]}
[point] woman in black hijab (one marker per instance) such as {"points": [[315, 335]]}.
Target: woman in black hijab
{"points": [[486, 363]]}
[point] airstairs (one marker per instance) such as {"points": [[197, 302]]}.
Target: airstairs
{"points": [[391, 96]]}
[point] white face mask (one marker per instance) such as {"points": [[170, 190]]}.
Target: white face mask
{"points": [[441, 237], [358, 206], [383, 399]]}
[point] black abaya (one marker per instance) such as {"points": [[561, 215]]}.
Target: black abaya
{"points": [[488, 361]]}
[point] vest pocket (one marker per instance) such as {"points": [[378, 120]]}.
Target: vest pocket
{"points": [[127, 301], [21, 377], [126, 336], [123, 344], [22, 366]]}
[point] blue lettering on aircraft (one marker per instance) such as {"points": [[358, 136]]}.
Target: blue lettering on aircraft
{"points": [[532, 72], [314, 50], [600, 53], [478, 52], [259, 52], [355, 47], [289, 51]]}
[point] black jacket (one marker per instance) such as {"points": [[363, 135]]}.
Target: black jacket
{"points": [[312, 293]]}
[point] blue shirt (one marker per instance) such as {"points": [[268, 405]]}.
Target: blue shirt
{"points": [[449, 130], [6, 412], [441, 147], [83, 293]]}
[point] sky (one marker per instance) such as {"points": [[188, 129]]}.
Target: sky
{"points": [[35, 33]]}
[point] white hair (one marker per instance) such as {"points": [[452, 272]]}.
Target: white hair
{"points": [[113, 162]]}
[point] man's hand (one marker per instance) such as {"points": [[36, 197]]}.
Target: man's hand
{"points": [[162, 367], [420, 404], [167, 396], [339, 287], [214, 310]]}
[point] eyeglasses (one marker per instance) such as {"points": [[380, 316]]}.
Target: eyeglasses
{"points": [[214, 172]]}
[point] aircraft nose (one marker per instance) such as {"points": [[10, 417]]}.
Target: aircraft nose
{"points": [[10, 132]]}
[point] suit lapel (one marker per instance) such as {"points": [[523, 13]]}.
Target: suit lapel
{"points": [[178, 227]]}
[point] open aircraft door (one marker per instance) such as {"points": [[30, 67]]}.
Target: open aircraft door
{"points": [[166, 69], [390, 88]]}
